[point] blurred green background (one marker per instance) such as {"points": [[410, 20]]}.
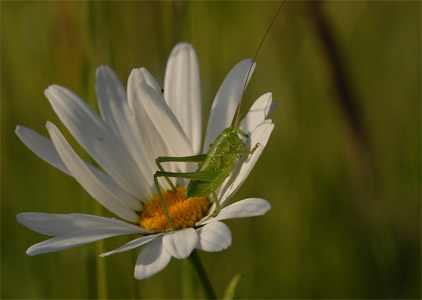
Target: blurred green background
{"points": [[346, 210]]}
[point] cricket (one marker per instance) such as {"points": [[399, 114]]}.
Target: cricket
{"points": [[217, 164]]}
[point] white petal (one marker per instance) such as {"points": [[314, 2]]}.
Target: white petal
{"points": [[171, 140], [72, 230], [143, 75], [180, 243], [112, 99], [114, 107], [88, 180], [165, 121], [151, 142], [96, 138], [214, 237], [244, 208], [60, 224], [41, 146], [74, 239], [118, 193], [182, 91], [151, 260], [133, 244], [157, 133], [45, 149], [225, 103], [260, 136], [257, 113], [146, 136]]}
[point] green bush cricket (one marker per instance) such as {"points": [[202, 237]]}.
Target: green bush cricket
{"points": [[219, 161]]}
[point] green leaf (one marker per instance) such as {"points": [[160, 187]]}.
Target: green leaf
{"points": [[230, 290]]}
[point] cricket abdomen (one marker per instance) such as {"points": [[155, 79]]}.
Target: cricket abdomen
{"points": [[221, 159], [199, 188]]}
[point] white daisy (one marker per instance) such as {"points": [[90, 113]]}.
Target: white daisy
{"points": [[135, 127]]}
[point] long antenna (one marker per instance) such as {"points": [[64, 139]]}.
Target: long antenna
{"points": [[253, 60]]}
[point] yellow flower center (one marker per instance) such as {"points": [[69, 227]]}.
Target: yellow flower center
{"points": [[182, 214]]}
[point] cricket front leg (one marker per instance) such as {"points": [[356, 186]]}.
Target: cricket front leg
{"points": [[204, 176], [254, 148], [217, 203], [160, 195]]}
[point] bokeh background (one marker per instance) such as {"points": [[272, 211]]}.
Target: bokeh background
{"points": [[343, 178]]}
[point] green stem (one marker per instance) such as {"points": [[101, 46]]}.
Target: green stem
{"points": [[100, 263], [206, 285], [217, 204]]}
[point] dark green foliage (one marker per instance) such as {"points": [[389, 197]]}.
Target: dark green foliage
{"points": [[342, 224]]}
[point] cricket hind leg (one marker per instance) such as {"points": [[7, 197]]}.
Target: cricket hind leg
{"points": [[161, 159]]}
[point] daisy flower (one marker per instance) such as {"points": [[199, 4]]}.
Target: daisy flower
{"points": [[134, 128]]}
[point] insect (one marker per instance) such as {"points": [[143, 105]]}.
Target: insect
{"points": [[217, 164]]}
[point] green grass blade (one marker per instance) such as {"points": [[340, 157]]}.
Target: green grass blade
{"points": [[230, 290]]}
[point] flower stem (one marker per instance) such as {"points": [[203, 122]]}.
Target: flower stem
{"points": [[88, 83], [188, 281], [206, 285]]}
